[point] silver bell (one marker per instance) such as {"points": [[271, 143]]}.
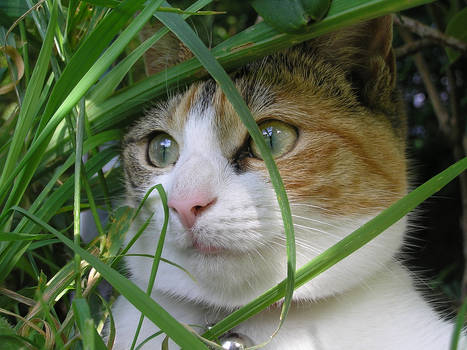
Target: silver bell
{"points": [[235, 341]]}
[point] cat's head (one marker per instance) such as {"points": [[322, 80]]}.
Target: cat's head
{"points": [[330, 113]]}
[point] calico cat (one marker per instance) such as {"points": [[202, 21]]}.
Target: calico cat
{"points": [[330, 112]]}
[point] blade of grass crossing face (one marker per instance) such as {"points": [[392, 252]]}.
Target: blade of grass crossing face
{"points": [[343, 248], [133, 240], [152, 310], [152, 336], [145, 198], [183, 31], [157, 256]]}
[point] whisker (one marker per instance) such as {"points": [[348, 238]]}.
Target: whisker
{"points": [[314, 220], [307, 228]]}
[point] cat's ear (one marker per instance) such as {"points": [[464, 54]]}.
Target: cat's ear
{"points": [[365, 52], [166, 52], [364, 49]]}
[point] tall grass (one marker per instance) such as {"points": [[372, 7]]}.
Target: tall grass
{"points": [[77, 94]]}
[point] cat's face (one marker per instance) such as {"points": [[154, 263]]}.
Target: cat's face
{"points": [[341, 162]]}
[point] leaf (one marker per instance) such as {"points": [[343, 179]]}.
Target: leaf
{"points": [[118, 226], [184, 32], [110, 81], [14, 342], [11, 10], [316, 9], [291, 16], [104, 3], [14, 236], [457, 334], [14, 250], [77, 193], [29, 105], [157, 255], [457, 29], [85, 67], [285, 15], [91, 339], [18, 61]]}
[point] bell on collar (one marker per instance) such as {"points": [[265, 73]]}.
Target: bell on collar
{"points": [[235, 341]]}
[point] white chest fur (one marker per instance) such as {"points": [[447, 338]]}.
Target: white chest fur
{"points": [[384, 313]]}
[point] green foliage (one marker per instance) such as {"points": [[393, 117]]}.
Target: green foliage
{"points": [[291, 15], [10, 10], [83, 89], [457, 29]]}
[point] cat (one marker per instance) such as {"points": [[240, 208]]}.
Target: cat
{"points": [[331, 114]]}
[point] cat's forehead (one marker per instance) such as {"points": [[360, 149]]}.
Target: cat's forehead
{"points": [[204, 104], [281, 86]]}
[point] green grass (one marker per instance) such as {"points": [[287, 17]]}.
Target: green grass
{"points": [[76, 96]]}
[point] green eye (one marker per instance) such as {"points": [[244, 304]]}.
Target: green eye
{"points": [[279, 137], [162, 150]]}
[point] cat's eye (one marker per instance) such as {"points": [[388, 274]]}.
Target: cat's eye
{"points": [[162, 150], [279, 137]]}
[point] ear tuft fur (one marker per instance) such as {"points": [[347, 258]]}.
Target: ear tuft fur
{"points": [[362, 48], [365, 52], [167, 52]]}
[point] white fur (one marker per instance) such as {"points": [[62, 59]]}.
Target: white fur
{"points": [[366, 301]]}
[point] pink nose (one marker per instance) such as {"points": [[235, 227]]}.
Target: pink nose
{"points": [[188, 209]]}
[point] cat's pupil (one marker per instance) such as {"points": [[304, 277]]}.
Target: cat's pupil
{"points": [[163, 149], [268, 134]]}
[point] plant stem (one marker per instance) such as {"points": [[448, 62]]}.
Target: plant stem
{"points": [[77, 196]]}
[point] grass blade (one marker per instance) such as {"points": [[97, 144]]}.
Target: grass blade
{"points": [[10, 236], [77, 193], [72, 85], [110, 81], [29, 106], [157, 256], [183, 31], [14, 250], [91, 339], [456, 335]]}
